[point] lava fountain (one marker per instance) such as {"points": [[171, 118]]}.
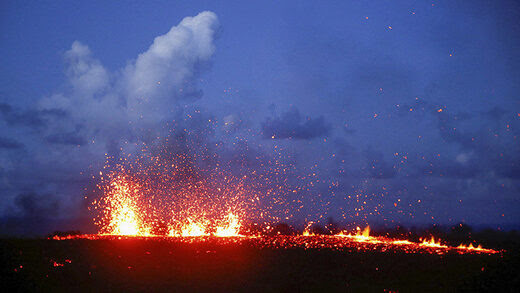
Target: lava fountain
{"points": [[149, 200]]}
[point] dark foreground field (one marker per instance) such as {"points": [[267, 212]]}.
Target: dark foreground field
{"points": [[152, 265]]}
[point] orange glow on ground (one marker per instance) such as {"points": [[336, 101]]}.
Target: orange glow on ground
{"points": [[432, 243], [125, 211], [230, 227], [192, 229], [126, 224], [121, 213], [346, 242]]}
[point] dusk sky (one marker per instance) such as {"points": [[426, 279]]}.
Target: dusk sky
{"points": [[389, 112]]}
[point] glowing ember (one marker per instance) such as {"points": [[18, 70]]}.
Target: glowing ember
{"points": [[121, 217], [347, 242], [432, 243], [150, 196], [359, 236], [125, 222], [231, 227], [470, 247], [306, 231], [170, 207], [193, 229]]}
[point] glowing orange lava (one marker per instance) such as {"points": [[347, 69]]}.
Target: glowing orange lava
{"points": [[359, 235], [432, 243], [347, 242], [121, 216], [125, 222], [192, 229], [132, 207], [306, 231], [230, 227]]}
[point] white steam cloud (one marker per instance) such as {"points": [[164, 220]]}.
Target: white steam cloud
{"points": [[143, 93], [100, 111]]}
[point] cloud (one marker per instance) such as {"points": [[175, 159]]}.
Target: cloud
{"points": [[170, 61], [27, 118], [7, 143], [463, 158], [35, 205], [86, 74], [291, 124], [494, 143], [68, 133], [485, 142], [377, 166], [147, 92], [70, 138]]}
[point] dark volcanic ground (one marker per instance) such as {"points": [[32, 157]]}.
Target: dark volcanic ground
{"points": [[152, 265]]}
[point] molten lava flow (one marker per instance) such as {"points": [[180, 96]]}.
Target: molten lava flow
{"points": [[159, 194], [125, 222], [173, 205], [125, 213], [121, 216], [360, 236], [402, 242], [230, 227], [193, 229], [432, 243], [346, 242], [306, 231], [470, 247]]}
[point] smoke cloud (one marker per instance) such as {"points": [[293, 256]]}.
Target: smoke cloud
{"points": [[291, 124], [97, 113]]}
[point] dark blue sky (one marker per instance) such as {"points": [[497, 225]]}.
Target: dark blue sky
{"points": [[411, 107]]}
